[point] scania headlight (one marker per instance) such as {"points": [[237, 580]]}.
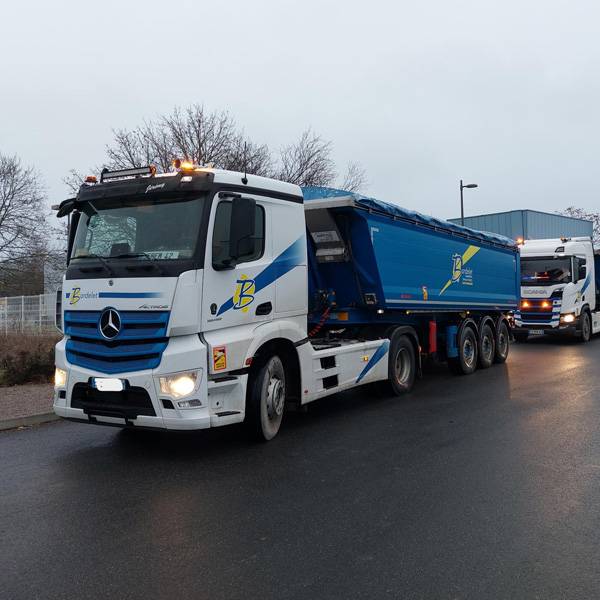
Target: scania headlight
{"points": [[179, 385], [60, 378], [567, 318]]}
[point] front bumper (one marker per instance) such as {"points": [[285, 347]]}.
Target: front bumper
{"points": [[220, 405], [554, 328]]}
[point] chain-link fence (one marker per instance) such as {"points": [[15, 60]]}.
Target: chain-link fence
{"points": [[27, 314]]}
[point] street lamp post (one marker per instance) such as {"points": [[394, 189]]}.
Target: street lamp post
{"points": [[462, 206]]}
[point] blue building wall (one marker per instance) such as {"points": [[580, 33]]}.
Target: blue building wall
{"points": [[529, 224]]}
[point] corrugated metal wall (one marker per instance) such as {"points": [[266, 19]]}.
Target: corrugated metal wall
{"points": [[529, 224]]}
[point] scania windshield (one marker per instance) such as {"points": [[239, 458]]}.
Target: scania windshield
{"points": [[545, 271], [138, 230]]}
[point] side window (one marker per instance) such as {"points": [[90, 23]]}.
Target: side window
{"points": [[580, 270], [221, 235]]}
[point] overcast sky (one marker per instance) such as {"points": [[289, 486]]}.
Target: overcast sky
{"points": [[505, 94]]}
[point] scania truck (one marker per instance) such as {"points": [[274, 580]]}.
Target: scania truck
{"points": [[200, 298], [560, 291]]}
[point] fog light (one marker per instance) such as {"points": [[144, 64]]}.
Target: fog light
{"points": [[179, 384], [189, 403], [567, 318], [60, 378]]}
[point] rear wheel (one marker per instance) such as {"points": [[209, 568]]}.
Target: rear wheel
{"points": [[266, 400], [502, 343], [586, 327], [487, 347], [466, 361], [402, 365]]}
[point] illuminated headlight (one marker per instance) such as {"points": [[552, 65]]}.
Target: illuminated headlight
{"points": [[567, 318], [179, 385], [60, 378]]}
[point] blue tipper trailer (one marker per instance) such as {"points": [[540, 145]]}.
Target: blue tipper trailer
{"points": [[375, 267]]}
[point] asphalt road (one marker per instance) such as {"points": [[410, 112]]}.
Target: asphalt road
{"points": [[476, 487]]}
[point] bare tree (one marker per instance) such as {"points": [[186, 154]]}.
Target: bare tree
{"points": [[215, 138], [355, 179], [307, 161], [22, 224], [580, 213]]}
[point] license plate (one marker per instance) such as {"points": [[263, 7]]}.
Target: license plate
{"points": [[108, 384], [536, 332]]}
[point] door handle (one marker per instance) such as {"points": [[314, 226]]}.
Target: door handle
{"points": [[264, 309]]}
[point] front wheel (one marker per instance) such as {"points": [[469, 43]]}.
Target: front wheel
{"points": [[585, 334], [266, 400]]}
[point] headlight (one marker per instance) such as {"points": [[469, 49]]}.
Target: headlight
{"points": [[179, 385], [60, 378], [568, 318]]}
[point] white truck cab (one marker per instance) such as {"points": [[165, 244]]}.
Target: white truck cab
{"points": [[559, 289]]}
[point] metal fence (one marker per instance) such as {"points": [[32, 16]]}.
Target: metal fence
{"points": [[27, 314]]}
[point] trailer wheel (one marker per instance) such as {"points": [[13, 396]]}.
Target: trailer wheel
{"points": [[502, 343], [585, 334], [487, 347], [402, 365], [266, 400], [466, 361]]}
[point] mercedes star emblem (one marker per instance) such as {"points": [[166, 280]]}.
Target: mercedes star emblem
{"points": [[110, 323]]}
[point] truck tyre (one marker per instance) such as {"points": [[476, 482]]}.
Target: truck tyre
{"points": [[520, 336], [266, 399], [402, 365], [502, 343], [487, 347], [585, 334], [466, 361]]}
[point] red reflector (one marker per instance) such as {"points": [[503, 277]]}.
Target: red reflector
{"points": [[432, 337]]}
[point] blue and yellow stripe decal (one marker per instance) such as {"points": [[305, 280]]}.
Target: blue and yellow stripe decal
{"points": [[377, 356], [292, 256]]}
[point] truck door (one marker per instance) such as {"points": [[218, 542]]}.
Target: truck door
{"points": [[230, 297]]}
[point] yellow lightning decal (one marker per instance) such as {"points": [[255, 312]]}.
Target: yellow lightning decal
{"points": [[469, 253]]}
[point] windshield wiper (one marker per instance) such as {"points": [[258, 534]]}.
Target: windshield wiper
{"points": [[101, 259], [145, 255]]}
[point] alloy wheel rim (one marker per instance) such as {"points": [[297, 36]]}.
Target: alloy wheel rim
{"points": [[275, 397], [468, 352], [402, 366]]}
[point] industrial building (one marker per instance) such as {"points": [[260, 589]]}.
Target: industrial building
{"points": [[529, 224]]}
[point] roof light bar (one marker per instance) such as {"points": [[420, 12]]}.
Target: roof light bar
{"points": [[139, 172]]}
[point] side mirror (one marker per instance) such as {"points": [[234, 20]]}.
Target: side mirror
{"points": [[242, 227]]}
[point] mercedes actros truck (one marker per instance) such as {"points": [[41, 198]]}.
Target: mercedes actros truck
{"points": [[200, 297], [560, 290]]}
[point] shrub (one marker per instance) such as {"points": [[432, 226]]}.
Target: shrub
{"points": [[26, 359]]}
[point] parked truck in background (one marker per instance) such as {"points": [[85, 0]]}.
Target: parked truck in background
{"points": [[560, 291], [200, 298]]}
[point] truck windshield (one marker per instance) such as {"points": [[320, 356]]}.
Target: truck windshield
{"points": [[545, 271], [138, 229]]}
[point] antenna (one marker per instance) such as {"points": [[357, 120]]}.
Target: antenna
{"points": [[245, 177]]}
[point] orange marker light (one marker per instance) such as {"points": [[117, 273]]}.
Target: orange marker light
{"points": [[545, 304], [525, 304], [91, 179]]}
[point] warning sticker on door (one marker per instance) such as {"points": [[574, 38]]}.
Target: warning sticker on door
{"points": [[219, 358]]}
